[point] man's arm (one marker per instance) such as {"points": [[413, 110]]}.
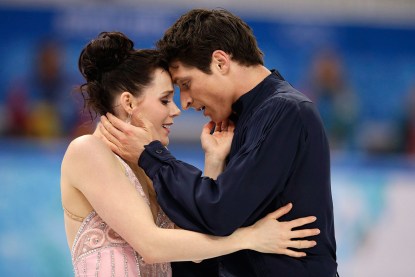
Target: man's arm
{"points": [[251, 180], [124, 139]]}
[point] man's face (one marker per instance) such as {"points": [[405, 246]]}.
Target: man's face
{"points": [[203, 92]]}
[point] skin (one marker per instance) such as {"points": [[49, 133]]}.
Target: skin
{"points": [[217, 91], [217, 146], [92, 178], [213, 94]]}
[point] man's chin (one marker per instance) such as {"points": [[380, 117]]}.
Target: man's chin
{"points": [[217, 120]]}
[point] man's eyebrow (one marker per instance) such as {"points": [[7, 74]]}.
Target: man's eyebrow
{"points": [[178, 79]]}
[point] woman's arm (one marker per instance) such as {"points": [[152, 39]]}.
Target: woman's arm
{"points": [[94, 170]]}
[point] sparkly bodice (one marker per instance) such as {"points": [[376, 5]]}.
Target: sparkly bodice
{"points": [[99, 251]]}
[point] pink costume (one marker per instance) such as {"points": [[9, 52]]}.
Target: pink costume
{"points": [[99, 251]]}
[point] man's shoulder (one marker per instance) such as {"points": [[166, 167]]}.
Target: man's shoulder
{"points": [[285, 102], [285, 98], [289, 93]]}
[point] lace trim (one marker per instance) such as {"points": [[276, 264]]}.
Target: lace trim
{"points": [[80, 231], [133, 178]]}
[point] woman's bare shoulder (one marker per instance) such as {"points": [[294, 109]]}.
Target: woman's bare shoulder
{"points": [[84, 150], [87, 145]]}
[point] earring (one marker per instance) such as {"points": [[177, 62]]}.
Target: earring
{"points": [[128, 120]]}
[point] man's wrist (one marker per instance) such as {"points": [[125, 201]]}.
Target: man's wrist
{"points": [[153, 157]]}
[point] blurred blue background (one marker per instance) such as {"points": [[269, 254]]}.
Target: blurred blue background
{"points": [[356, 60]]}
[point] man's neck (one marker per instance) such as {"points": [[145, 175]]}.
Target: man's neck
{"points": [[248, 78]]}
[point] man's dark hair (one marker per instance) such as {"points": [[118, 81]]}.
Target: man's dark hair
{"points": [[197, 34]]}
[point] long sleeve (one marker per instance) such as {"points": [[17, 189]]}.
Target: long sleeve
{"points": [[254, 176]]}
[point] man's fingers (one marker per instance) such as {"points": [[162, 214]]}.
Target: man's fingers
{"points": [[281, 211], [138, 119], [108, 138], [107, 123], [115, 121], [109, 143]]}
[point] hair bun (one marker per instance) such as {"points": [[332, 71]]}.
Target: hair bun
{"points": [[103, 54]]}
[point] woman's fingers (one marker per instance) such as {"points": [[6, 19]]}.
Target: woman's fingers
{"points": [[231, 126], [224, 125], [293, 253], [281, 211], [218, 127], [301, 221], [301, 244], [305, 233], [207, 128]]}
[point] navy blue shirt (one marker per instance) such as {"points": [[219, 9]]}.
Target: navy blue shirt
{"points": [[279, 154]]}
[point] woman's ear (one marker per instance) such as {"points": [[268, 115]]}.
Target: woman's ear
{"points": [[126, 102], [221, 61]]}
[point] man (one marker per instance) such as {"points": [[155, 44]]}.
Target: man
{"points": [[279, 152]]}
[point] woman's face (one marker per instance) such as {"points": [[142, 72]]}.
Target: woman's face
{"points": [[156, 104]]}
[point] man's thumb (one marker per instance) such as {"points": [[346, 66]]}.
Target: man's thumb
{"points": [[138, 119]]}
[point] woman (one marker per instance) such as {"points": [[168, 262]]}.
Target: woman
{"points": [[112, 220]]}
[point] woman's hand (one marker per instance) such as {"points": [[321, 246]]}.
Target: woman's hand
{"points": [[216, 146], [269, 235]]}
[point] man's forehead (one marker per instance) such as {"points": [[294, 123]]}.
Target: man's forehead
{"points": [[176, 71], [175, 64]]}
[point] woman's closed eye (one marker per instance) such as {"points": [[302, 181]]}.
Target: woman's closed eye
{"points": [[165, 101]]}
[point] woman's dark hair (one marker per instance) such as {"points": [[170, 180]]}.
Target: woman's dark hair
{"points": [[111, 65], [197, 34]]}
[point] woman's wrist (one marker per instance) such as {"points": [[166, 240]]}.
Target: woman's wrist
{"points": [[214, 157], [213, 166], [243, 238]]}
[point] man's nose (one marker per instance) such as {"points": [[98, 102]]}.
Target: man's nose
{"points": [[185, 100]]}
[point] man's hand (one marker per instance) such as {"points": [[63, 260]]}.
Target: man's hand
{"points": [[127, 140]]}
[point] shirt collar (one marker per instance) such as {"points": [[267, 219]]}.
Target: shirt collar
{"points": [[254, 97]]}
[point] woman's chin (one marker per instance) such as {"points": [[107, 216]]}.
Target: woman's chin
{"points": [[165, 141]]}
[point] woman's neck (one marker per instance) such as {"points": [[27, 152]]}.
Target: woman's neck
{"points": [[145, 182]]}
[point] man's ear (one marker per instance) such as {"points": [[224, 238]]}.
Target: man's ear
{"points": [[126, 102], [221, 61]]}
